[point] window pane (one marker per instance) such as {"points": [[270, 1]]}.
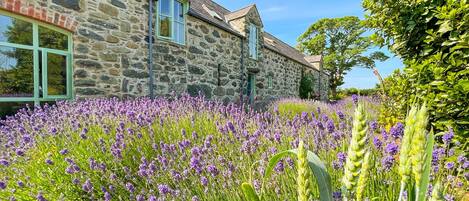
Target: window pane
{"points": [[52, 39], [179, 32], [11, 108], [15, 31], [56, 74], [16, 72], [165, 26], [178, 11], [165, 7]]}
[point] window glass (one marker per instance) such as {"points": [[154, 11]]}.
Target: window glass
{"points": [[179, 32], [56, 74], [11, 108], [16, 72], [253, 41], [165, 26], [165, 7], [178, 11], [15, 31], [52, 39]]}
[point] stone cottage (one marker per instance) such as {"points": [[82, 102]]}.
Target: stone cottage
{"points": [[63, 49]]}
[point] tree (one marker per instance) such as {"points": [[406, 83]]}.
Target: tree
{"points": [[342, 43], [433, 39]]}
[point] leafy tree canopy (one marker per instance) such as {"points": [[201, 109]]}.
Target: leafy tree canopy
{"points": [[343, 43]]}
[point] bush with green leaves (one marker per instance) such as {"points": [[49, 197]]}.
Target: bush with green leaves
{"points": [[432, 37], [307, 86]]}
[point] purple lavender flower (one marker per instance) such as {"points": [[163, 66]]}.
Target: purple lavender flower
{"points": [[387, 162], [355, 98], [140, 198], [337, 195], [330, 126], [164, 189], [449, 197], [397, 130], [449, 165], [392, 148], [341, 115], [152, 198], [107, 196], [4, 162], [204, 181], [63, 151], [49, 161], [374, 125], [279, 167], [40, 197], [195, 198], [130, 187], [20, 184], [87, 186], [447, 137], [465, 165], [3, 185], [377, 142], [212, 170]]}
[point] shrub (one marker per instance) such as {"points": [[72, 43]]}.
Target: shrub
{"points": [[432, 38], [307, 86]]}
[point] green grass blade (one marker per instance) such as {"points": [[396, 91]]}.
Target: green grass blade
{"points": [[323, 179], [249, 192], [427, 166], [275, 159]]}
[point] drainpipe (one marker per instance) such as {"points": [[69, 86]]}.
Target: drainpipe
{"points": [[242, 73], [150, 49]]}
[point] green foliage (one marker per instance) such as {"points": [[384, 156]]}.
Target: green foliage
{"points": [[249, 192], [343, 93], [315, 164], [432, 37], [306, 86], [343, 44]]}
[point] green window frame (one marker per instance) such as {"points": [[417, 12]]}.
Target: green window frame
{"points": [[177, 25], [41, 65]]}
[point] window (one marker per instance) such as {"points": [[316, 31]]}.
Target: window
{"points": [[170, 22], [35, 61], [218, 75], [269, 81], [253, 41]]}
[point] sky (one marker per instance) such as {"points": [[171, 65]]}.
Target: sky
{"points": [[289, 19]]}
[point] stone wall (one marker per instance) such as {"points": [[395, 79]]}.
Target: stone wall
{"points": [[110, 58], [209, 62], [109, 44]]}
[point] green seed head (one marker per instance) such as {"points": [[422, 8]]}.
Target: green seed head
{"points": [[437, 194], [404, 159], [417, 151], [356, 151], [304, 175], [363, 179]]}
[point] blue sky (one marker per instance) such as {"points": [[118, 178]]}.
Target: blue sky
{"points": [[289, 19]]}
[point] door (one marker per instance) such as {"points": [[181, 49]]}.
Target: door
{"points": [[251, 88]]}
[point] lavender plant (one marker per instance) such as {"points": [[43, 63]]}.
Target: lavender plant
{"points": [[193, 149]]}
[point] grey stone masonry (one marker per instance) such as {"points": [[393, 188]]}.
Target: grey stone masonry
{"points": [[111, 53]]}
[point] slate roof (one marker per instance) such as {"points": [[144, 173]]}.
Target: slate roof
{"points": [[205, 9]]}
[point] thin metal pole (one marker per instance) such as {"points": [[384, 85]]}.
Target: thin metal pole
{"points": [[150, 49]]}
